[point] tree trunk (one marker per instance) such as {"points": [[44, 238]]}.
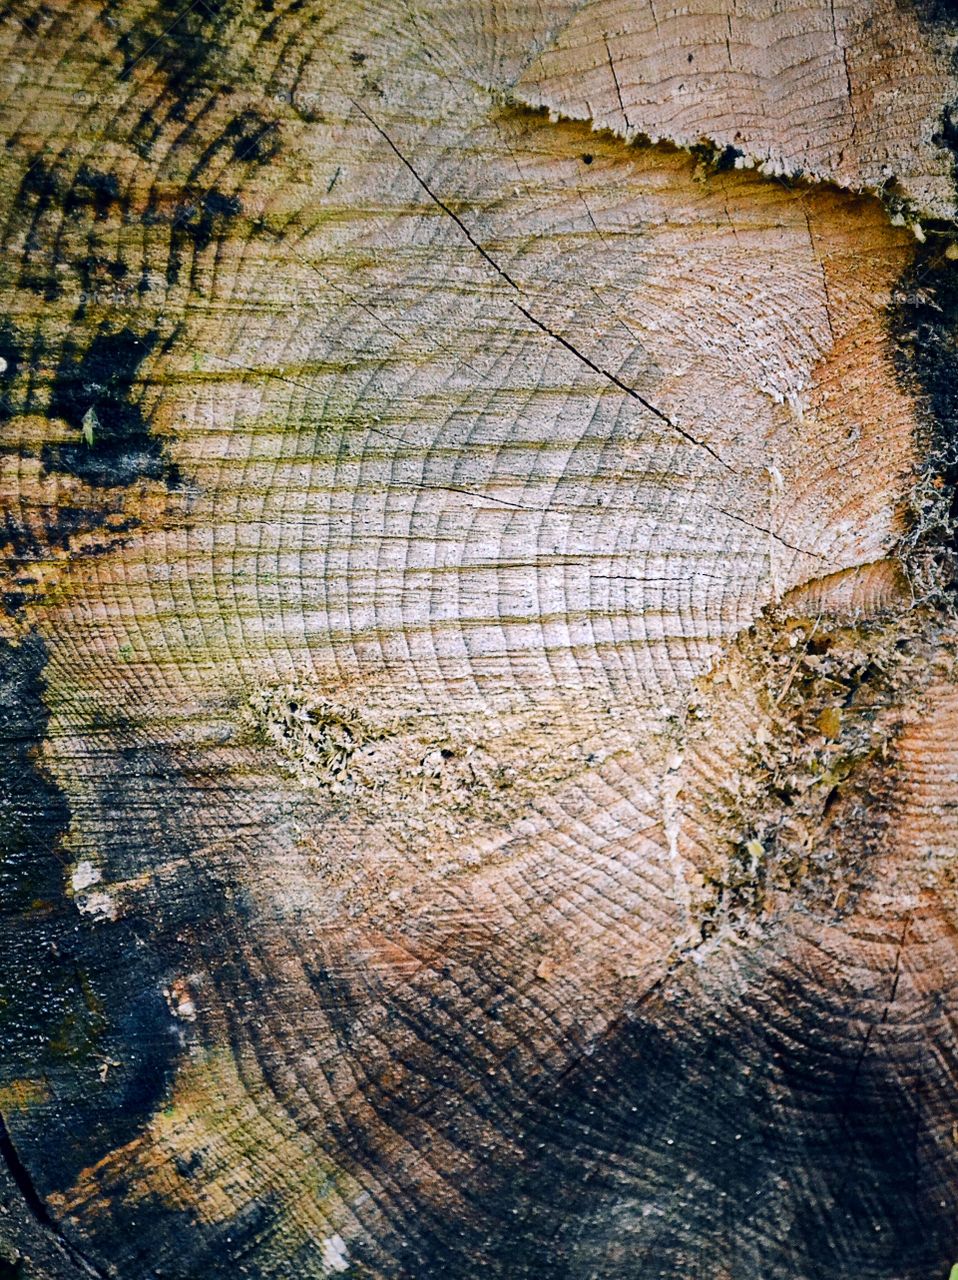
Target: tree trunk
{"points": [[478, 695]]}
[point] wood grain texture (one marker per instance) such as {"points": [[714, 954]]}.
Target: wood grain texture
{"points": [[850, 93], [477, 662]]}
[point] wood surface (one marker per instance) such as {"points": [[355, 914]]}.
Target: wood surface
{"points": [[479, 788]]}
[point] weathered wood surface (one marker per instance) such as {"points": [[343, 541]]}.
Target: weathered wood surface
{"points": [[855, 94], [478, 690]]}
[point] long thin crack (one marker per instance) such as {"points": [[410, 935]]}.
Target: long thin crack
{"points": [[435, 198], [761, 528], [623, 386], [850, 91], [532, 318], [615, 81], [484, 497]]}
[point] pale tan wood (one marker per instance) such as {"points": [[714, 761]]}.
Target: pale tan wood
{"points": [[851, 93]]}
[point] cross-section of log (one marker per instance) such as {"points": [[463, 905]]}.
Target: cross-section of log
{"points": [[855, 93], [478, 689]]}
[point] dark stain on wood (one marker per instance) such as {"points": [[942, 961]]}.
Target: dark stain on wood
{"points": [[77, 992], [198, 222], [93, 189], [40, 194], [252, 138], [11, 360], [790, 1131], [183, 42], [95, 389], [924, 326]]}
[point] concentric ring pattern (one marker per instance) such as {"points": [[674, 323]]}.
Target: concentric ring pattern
{"points": [[450, 558]]}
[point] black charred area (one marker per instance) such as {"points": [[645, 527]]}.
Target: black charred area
{"points": [[757, 1140], [198, 922], [156, 1241], [82, 1009], [17, 1171], [924, 328], [56, 220], [747, 1145], [924, 324], [32, 1208], [715, 159], [34, 20], [791, 1130], [11, 1268], [101, 381], [203, 213], [252, 138], [938, 12]]}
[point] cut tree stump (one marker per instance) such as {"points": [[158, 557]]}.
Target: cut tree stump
{"points": [[479, 683]]}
